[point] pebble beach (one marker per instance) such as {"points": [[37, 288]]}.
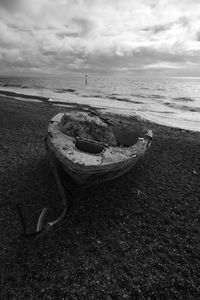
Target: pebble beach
{"points": [[136, 237]]}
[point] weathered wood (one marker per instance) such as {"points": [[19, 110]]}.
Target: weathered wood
{"points": [[86, 167]]}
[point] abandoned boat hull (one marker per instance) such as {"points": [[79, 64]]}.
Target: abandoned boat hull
{"points": [[95, 177], [88, 168]]}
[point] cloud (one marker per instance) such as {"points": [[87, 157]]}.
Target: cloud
{"points": [[99, 34], [14, 6], [10, 4]]}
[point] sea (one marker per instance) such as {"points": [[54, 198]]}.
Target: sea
{"points": [[168, 101]]}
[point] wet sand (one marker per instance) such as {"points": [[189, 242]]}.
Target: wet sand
{"points": [[134, 238]]}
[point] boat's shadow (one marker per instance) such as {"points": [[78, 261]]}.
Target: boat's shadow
{"points": [[100, 204]]}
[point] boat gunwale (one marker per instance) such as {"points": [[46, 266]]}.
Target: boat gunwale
{"points": [[99, 169], [93, 169]]}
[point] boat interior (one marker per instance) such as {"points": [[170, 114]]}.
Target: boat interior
{"points": [[89, 146], [124, 138]]}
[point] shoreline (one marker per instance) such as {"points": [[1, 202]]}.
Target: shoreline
{"points": [[134, 237], [191, 125]]}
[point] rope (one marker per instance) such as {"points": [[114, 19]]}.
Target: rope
{"points": [[40, 227]]}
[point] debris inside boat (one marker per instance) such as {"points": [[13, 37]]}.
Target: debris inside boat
{"points": [[87, 126]]}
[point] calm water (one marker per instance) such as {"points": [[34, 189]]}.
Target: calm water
{"points": [[169, 101]]}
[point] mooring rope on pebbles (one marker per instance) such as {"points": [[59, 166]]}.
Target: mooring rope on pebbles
{"points": [[40, 227]]}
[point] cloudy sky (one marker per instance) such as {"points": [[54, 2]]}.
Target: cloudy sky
{"points": [[144, 37]]}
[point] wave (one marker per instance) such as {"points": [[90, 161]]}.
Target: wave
{"points": [[187, 99], [138, 96], [182, 107], [14, 85], [157, 111], [119, 98], [25, 96], [111, 97], [92, 96], [156, 96], [11, 85], [65, 90], [78, 105]]}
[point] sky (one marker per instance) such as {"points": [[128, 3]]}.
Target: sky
{"points": [[139, 37]]}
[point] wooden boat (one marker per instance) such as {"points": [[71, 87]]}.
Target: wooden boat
{"points": [[91, 150]]}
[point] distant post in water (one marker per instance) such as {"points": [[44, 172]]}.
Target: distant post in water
{"points": [[86, 79]]}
